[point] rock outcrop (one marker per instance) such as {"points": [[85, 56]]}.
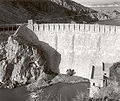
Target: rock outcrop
{"points": [[115, 72], [21, 62], [62, 87]]}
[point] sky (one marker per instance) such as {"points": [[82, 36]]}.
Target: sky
{"points": [[95, 1]]}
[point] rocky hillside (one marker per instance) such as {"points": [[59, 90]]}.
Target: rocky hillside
{"points": [[115, 72], [114, 14], [19, 11], [22, 61]]}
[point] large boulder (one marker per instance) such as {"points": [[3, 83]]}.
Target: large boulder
{"points": [[22, 61]]}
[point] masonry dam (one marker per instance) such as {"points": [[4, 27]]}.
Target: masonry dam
{"points": [[81, 47]]}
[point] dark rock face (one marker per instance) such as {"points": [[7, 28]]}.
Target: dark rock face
{"points": [[115, 72], [21, 62]]}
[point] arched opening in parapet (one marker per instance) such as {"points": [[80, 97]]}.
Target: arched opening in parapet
{"points": [[51, 56]]}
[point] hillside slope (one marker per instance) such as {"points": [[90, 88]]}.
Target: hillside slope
{"points": [[47, 11]]}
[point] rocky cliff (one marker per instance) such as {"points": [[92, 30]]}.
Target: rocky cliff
{"points": [[21, 61], [47, 11]]}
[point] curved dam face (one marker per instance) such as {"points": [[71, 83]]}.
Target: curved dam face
{"points": [[81, 45]]}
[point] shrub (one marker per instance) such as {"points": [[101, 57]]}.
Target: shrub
{"points": [[70, 72]]}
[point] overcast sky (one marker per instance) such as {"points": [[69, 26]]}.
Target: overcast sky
{"points": [[95, 1]]}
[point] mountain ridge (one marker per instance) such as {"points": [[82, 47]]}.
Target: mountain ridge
{"points": [[47, 11]]}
